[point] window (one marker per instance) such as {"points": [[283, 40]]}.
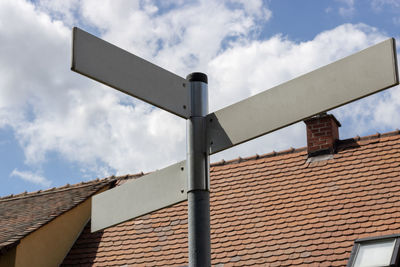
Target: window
{"points": [[380, 251]]}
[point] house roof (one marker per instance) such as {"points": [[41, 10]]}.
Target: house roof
{"points": [[278, 209], [24, 213]]}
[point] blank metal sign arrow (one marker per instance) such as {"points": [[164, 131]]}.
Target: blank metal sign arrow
{"points": [[140, 196], [351, 78], [115, 67]]}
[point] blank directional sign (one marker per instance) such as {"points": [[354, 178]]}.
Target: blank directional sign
{"points": [[115, 67], [140, 196], [336, 84]]}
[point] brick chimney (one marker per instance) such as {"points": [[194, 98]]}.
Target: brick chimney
{"points": [[322, 133]]}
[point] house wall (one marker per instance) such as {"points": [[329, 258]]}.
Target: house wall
{"points": [[48, 245]]}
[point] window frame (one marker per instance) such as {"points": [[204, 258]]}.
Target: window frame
{"points": [[394, 262]]}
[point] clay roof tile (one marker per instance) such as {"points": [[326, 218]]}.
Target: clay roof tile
{"points": [[270, 210]]}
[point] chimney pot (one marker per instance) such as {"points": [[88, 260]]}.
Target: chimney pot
{"points": [[322, 134]]}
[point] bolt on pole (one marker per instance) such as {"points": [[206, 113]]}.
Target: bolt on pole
{"points": [[198, 173]]}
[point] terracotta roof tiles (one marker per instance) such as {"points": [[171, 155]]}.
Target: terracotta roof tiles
{"points": [[276, 209], [24, 213]]}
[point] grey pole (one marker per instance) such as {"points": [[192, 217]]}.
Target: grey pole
{"points": [[198, 173]]}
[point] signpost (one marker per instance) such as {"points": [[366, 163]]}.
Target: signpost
{"points": [[364, 73]]}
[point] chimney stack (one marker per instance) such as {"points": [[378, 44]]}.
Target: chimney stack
{"points": [[322, 133]]}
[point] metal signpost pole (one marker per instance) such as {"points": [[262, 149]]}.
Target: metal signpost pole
{"points": [[198, 173]]}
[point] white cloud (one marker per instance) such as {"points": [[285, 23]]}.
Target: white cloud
{"points": [[387, 109], [185, 37], [31, 177], [347, 9], [52, 109], [65, 11], [390, 6], [377, 5]]}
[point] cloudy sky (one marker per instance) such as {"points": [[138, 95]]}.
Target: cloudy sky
{"points": [[58, 127]]}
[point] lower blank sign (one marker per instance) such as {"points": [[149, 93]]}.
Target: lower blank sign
{"points": [[143, 195]]}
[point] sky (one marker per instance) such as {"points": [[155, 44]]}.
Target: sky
{"points": [[58, 127]]}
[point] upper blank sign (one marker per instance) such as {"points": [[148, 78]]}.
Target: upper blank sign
{"points": [[336, 84], [115, 67]]}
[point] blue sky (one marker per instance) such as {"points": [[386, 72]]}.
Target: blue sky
{"points": [[57, 127]]}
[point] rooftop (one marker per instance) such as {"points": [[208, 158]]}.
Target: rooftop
{"points": [[277, 209]]}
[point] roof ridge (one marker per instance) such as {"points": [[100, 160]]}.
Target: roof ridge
{"points": [[380, 135], [54, 189], [256, 156], [108, 179], [371, 137], [297, 150]]}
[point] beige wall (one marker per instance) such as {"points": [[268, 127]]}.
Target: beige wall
{"points": [[48, 245]]}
